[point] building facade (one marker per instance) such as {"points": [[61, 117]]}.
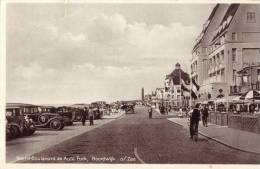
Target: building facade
{"points": [[230, 41], [174, 87]]}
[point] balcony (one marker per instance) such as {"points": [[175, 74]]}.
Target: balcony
{"points": [[234, 90]]}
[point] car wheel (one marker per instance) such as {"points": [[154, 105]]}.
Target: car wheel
{"points": [[56, 124], [15, 131], [31, 129]]}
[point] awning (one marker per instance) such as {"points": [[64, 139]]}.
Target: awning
{"points": [[221, 100]]}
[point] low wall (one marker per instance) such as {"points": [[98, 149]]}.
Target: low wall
{"points": [[218, 118], [244, 122]]}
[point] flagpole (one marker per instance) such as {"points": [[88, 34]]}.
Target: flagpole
{"points": [[180, 86], [190, 89]]}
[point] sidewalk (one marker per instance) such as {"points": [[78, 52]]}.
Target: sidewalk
{"points": [[238, 139], [114, 115], [171, 113]]}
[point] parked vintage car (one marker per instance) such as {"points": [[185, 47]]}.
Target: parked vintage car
{"points": [[129, 109], [47, 120], [66, 113], [17, 124], [98, 108], [77, 114]]}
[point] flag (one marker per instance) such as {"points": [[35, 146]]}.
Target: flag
{"points": [[196, 86], [194, 89], [185, 86], [193, 95]]}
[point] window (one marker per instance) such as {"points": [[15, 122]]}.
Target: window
{"points": [[245, 79], [204, 50], [222, 56], [250, 17], [218, 59], [258, 75], [234, 52], [234, 75], [234, 36], [222, 71]]}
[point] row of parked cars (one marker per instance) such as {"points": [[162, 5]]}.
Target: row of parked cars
{"points": [[25, 119]]}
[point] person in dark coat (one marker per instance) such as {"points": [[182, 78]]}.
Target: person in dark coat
{"points": [[150, 110], [194, 120], [205, 115], [91, 117], [84, 116]]}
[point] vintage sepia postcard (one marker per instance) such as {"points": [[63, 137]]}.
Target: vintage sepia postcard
{"points": [[120, 82]]}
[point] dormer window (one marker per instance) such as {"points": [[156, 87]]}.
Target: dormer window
{"points": [[250, 17]]}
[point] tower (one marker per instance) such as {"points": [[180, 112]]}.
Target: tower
{"points": [[142, 94]]}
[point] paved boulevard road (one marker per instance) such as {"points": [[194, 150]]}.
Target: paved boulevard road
{"points": [[137, 139]]}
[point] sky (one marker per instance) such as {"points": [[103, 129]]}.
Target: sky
{"points": [[79, 53]]}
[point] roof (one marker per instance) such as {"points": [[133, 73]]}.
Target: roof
{"points": [[243, 70], [12, 105], [46, 106], [213, 12], [230, 13], [206, 28], [175, 76]]}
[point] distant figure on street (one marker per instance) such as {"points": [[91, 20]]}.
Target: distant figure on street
{"points": [[205, 115], [84, 116], [150, 110], [91, 117], [194, 121], [180, 113]]}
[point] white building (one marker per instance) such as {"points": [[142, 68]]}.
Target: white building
{"points": [[230, 40]]}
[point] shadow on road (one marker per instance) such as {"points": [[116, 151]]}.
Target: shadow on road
{"points": [[17, 143]]}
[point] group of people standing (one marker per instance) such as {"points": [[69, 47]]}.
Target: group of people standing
{"points": [[90, 113]]}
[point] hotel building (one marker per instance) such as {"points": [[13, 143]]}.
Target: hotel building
{"points": [[228, 43]]}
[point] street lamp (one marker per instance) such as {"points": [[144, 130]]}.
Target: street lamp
{"points": [[162, 107]]}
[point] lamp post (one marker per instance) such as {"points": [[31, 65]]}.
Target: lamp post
{"points": [[162, 97], [162, 108]]}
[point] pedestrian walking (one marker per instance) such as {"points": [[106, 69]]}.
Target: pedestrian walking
{"points": [[91, 117], [84, 116], [150, 110], [194, 122], [205, 115]]}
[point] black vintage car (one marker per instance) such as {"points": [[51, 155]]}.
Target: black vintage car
{"points": [[129, 109], [47, 120], [40, 119], [98, 108], [17, 124], [66, 113], [77, 114]]}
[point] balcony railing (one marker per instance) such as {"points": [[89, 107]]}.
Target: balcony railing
{"points": [[235, 90]]}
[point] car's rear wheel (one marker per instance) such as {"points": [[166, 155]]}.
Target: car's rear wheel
{"points": [[15, 131], [56, 124]]}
